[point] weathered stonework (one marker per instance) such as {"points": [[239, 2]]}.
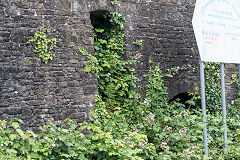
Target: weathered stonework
{"points": [[168, 40], [231, 88], [38, 92]]}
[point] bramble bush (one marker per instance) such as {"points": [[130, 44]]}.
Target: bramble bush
{"points": [[154, 130]]}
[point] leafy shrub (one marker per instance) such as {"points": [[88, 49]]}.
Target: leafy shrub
{"points": [[53, 142], [154, 129], [68, 142]]}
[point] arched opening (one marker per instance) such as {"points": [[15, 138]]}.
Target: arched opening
{"points": [[182, 98], [101, 27], [114, 74]]}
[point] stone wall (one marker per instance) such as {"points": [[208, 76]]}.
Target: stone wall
{"points": [[165, 26], [168, 40], [38, 92], [231, 88]]}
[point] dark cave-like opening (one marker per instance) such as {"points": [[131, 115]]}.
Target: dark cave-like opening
{"points": [[182, 98]]}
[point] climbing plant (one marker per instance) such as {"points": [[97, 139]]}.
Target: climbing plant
{"points": [[116, 2], [43, 45], [138, 42], [115, 75]]}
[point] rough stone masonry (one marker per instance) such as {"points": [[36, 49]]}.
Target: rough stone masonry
{"points": [[38, 92]]}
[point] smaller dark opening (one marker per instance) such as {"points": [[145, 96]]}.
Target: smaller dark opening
{"points": [[98, 20], [182, 98], [101, 21]]}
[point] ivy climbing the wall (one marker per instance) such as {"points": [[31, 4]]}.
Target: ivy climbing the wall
{"points": [[115, 76], [43, 45], [116, 2]]}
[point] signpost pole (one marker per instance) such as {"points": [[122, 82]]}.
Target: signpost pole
{"points": [[216, 34], [203, 101], [224, 110]]}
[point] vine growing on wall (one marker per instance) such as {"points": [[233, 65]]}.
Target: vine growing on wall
{"points": [[116, 2], [43, 46], [115, 75], [138, 42]]}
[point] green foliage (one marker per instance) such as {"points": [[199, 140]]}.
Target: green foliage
{"points": [[65, 142], [68, 142], [153, 130], [116, 80], [71, 44], [173, 131], [92, 64], [43, 46], [116, 2], [117, 20], [213, 86], [214, 117], [138, 42], [155, 89], [212, 89]]}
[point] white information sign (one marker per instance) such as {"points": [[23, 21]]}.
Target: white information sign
{"points": [[216, 25]]}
